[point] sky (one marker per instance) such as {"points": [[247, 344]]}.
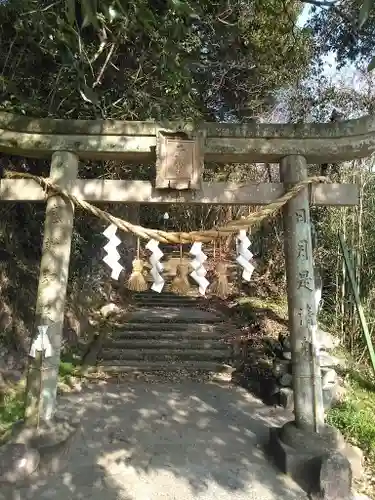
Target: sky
{"points": [[330, 67], [304, 16]]}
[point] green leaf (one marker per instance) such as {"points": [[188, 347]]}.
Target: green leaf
{"points": [[113, 13], [89, 11], [67, 57], [88, 95], [182, 7], [364, 13], [71, 11], [371, 66], [120, 7]]}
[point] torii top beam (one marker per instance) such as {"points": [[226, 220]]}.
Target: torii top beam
{"points": [[224, 143]]}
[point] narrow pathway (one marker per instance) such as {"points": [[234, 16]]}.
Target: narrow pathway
{"points": [[171, 441]]}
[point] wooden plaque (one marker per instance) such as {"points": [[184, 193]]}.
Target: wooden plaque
{"points": [[179, 162]]}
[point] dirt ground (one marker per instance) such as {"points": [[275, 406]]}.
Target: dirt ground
{"points": [[188, 440]]}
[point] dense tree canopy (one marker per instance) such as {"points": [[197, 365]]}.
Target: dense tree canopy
{"points": [[148, 59], [346, 27]]}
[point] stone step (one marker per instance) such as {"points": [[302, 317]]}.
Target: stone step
{"points": [[169, 297], [162, 303], [196, 327], [192, 296], [121, 367], [172, 314], [166, 354], [172, 333], [160, 343], [165, 295]]}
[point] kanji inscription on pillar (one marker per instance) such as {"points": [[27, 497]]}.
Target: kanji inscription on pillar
{"points": [[307, 318], [302, 250], [56, 219], [305, 280], [301, 215], [310, 316], [179, 162]]}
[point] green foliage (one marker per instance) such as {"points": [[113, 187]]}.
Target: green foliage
{"points": [[148, 60], [355, 417], [364, 12], [66, 369], [12, 409]]}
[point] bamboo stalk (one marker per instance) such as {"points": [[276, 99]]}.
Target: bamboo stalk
{"points": [[337, 281], [355, 247], [354, 290], [343, 280], [360, 229]]}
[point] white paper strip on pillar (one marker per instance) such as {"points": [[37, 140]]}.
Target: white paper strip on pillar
{"points": [[156, 266], [199, 271], [112, 258], [244, 255], [41, 343]]}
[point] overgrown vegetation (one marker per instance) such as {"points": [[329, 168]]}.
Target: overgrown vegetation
{"points": [[265, 318], [355, 416], [13, 400], [12, 408]]}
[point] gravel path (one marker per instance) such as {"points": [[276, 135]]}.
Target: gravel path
{"points": [[183, 441]]}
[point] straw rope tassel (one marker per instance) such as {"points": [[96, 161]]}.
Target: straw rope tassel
{"points": [[220, 285], [180, 283], [136, 281]]}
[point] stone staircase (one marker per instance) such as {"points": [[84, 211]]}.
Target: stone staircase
{"points": [[168, 332]]}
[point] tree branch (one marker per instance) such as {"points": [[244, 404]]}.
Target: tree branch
{"points": [[107, 60], [320, 3]]}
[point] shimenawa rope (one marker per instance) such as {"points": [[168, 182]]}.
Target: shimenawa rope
{"points": [[177, 238]]}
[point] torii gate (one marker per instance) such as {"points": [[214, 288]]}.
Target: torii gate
{"points": [[292, 146]]}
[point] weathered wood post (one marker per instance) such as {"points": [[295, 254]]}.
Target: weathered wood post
{"points": [[308, 399], [53, 280]]}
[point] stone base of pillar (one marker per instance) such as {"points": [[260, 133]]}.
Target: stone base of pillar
{"points": [[300, 454], [30, 453]]}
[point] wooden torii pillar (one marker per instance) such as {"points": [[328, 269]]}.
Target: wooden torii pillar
{"points": [[293, 146]]}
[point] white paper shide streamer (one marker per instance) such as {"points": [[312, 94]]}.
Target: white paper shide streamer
{"points": [[112, 258], [199, 272], [156, 266], [244, 255], [41, 343]]}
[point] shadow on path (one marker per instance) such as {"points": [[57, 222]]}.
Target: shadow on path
{"points": [[188, 440]]}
